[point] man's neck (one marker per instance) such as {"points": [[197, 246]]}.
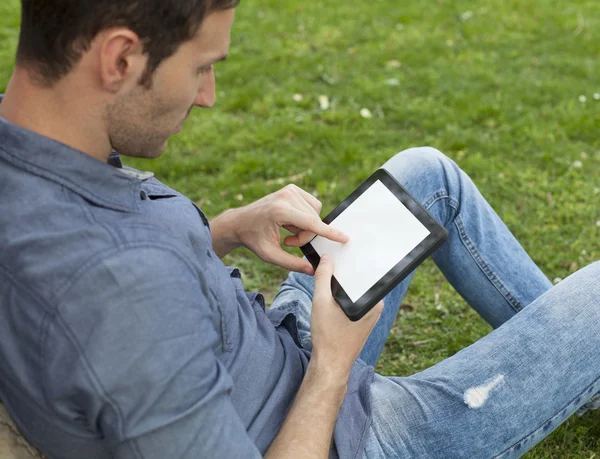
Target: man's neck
{"points": [[65, 113]]}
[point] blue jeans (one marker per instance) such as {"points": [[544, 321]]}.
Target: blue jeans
{"points": [[505, 393]]}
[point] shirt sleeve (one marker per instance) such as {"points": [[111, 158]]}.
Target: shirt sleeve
{"points": [[147, 376]]}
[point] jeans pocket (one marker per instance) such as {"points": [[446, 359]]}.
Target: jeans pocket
{"points": [[286, 316]]}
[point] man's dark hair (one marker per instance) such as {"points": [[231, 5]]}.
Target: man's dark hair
{"points": [[55, 33]]}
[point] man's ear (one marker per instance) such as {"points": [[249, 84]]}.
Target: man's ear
{"points": [[122, 59]]}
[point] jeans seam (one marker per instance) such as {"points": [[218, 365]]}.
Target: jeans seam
{"points": [[438, 196], [377, 436], [366, 391], [485, 268], [549, 421]]}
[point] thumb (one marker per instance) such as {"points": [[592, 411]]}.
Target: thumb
{"points": [[323, 275], [300, 239], [288, 261]]}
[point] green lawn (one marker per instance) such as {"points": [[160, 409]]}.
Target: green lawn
{"points": [[509, 89]]}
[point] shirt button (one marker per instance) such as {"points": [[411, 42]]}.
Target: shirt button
{"points": [[143, 195]]}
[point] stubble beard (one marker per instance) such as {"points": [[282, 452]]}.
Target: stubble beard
{"points": [[134, 126]]}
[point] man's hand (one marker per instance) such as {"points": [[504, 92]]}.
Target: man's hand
{"points": [[336, 340], [257, 227]]}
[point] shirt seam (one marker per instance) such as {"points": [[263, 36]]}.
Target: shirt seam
{"points": [[37, 299], [43, 334]]}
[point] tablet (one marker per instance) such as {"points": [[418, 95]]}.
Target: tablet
{"points": [[390, 235]]}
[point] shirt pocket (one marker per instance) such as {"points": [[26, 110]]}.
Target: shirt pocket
{"points": [[255, 300], [224, 303]]}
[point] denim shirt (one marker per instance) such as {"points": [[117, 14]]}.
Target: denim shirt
{"points": [[122, 334]]}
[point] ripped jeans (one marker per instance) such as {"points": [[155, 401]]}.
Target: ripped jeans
{"points": [[502, 395]]}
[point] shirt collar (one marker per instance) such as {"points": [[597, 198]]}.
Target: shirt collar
{"points": [[105, 184]]}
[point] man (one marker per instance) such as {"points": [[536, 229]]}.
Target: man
{"points": [[123, 334]]}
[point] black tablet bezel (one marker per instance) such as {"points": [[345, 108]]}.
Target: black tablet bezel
{"points": [[438, 235]]}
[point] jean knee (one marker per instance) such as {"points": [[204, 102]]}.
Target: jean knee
{"points": [[418, 159], [296, 285], [423, 171], [584, 289]]}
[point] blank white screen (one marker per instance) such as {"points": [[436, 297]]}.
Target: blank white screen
{"points": [[382, 232]]}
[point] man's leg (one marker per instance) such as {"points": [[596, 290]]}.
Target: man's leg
{"points": [[481, 258], [502, 395]]}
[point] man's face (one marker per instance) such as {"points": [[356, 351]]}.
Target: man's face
{"points": [[141, 121]]}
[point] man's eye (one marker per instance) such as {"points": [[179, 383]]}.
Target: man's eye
{"points": [[205, 70]]}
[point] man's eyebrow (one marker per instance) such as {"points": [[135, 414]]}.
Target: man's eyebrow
{"points": [[221, 59]]}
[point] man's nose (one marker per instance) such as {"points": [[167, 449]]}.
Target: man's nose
{"points": [[206, 94]]}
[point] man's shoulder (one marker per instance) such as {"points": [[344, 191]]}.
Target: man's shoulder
{"points": [[54, 241]]}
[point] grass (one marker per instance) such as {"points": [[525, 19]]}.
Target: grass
{"points": [[496, 84]]}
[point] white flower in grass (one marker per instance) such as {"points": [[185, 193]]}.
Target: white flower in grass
{"points": [[392, 82], [582, 99], [597, 96], [466, 15], [298, 97], [324, 102], [366, 113], [598, 223], [577, 164], [556, 280]]}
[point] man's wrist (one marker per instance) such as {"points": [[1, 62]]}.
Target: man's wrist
{"points": [[327, 375], [224, 231]]}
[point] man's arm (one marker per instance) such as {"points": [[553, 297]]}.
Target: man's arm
{"points": [[257, 226], [141, 359], [157, 390], [337, 342], [308, 427]]}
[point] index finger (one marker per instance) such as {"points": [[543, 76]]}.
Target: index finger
{"points": [[311, 222], [329, 232]]}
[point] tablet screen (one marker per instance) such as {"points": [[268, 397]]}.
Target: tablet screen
{"points": [[382, 232]]}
